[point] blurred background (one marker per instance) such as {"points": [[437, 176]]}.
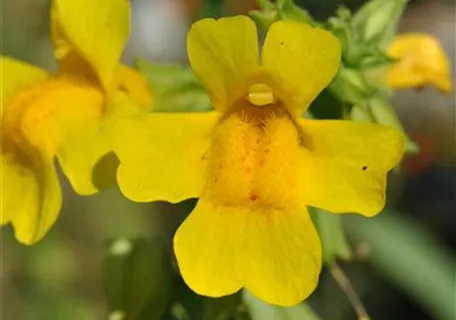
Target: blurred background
{"points": [[65, 275]]}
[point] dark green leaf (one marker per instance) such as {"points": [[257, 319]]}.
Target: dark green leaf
{"points": [[137, 282], [174, 88], [411, 257]]}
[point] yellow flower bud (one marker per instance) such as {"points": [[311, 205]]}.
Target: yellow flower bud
{"points": [[421, 61]]}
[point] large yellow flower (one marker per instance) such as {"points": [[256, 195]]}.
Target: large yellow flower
{"points": [[253, 162], [421, 61], [61, 115]]}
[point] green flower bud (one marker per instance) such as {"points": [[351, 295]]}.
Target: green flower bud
{"points": [[350, 86], [376, 21], [341, 28], [279, 10], [289, 11], [360, 113]]}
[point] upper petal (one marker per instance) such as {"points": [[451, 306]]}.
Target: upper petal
{"points": [[162, 156], [422, 61], [90, 31], [347, 163], [302, 59], [274, 253], [133, 85], [223, 54]]}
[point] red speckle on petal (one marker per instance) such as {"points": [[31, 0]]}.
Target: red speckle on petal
{"points": [[253, 197]]}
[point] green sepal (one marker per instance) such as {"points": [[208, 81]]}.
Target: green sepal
{"points": [[264, 19]]}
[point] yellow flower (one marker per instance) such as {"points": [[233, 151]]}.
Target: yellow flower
{"points": [[253, 162], [422, 61], [61, 115]]}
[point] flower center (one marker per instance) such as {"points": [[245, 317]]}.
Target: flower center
{"points": [[260, 95], [37, 114], [254, 158]]}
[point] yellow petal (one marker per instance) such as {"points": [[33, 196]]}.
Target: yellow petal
{"points": [[130, 82], [223, 54], [17, 75], [302, 59], [347, 164], [30, 191], [85, 151], [422, 61], [85, 156], [96, 31], [80, 143], [69, 59], [162, 155], [63, 117], [274, 253]]}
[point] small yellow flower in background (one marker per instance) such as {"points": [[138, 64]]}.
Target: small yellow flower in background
{"points": [[422, 61], [254, 163], [61, 115]]}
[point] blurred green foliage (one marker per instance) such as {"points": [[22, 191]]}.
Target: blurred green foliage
{"points": [[64, 277]]}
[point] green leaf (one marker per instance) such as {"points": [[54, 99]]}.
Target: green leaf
{"points": [[224, 308], [411, 257], [332, 235], [136, 279], [260, 310], [175, 88]]}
